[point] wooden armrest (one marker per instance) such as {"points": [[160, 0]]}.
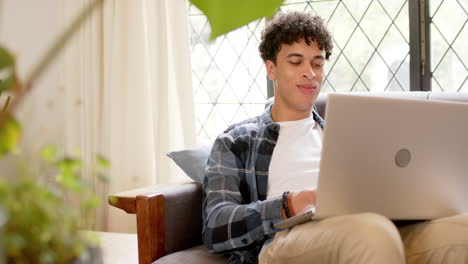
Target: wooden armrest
{"points": [[126, 200], [148, 205]]}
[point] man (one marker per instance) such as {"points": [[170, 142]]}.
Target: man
{"points": [[265, 169]]}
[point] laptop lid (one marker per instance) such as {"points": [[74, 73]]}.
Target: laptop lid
{"points": [[404, 159]]}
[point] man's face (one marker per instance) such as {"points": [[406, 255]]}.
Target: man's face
{"points": [[298, 76]]}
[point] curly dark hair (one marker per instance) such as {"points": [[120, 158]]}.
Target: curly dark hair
{"points": [[294, 26]]}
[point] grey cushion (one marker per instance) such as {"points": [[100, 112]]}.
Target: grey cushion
{"points": [[195, 255], [192, 161]]}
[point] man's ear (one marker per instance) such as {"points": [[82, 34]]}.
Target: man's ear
{"points": [[271, 69]]}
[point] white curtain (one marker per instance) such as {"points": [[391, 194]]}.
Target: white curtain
{"points": [[128, 91]]}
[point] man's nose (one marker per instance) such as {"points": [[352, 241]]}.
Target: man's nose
{"points": [[308, 73]]}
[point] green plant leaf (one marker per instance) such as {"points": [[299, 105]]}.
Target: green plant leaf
{"points": [[91, 237], [10, 133], [7, 69], [90, 203], [227, 15], [102, 178], [68, 174], [102, 161], [49, 153], [71, 181], [69, 164]]}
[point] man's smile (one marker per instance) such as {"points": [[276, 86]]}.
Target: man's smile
{"points": [[307, 87]]}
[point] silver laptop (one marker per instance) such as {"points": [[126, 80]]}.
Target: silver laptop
{"points": [[403, 158]]}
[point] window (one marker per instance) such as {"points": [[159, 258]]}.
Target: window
{"points": [[448, 35], [228, 76], [371, 53]]}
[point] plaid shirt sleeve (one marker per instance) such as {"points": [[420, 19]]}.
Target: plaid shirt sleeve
{"points": [[229, 223]]}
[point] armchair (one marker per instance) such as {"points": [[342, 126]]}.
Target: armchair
{"points": [[169, 221]]}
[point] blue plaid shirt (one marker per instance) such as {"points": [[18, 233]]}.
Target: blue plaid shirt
{"points": [[237, 218]]}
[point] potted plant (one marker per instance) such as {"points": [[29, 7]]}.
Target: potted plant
{"points": [[45, 215]]}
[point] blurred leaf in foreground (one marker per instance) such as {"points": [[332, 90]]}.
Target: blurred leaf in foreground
{"points": [[227, 15], [7, 70], [10, 133], [102, 161], [49, 153]]}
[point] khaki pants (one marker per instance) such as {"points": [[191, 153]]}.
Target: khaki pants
{"points": [[370, 238]]}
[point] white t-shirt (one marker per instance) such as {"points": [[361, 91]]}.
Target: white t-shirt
{"points": [[296, 157]]}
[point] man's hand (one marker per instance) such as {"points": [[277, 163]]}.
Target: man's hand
{"points": [[301, 201]]}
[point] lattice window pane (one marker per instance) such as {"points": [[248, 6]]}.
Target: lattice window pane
{"points": [[449, 35], [228, 75]]}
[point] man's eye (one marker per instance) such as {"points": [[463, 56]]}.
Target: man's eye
{"points": [[295, 62], [319, 65]]}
